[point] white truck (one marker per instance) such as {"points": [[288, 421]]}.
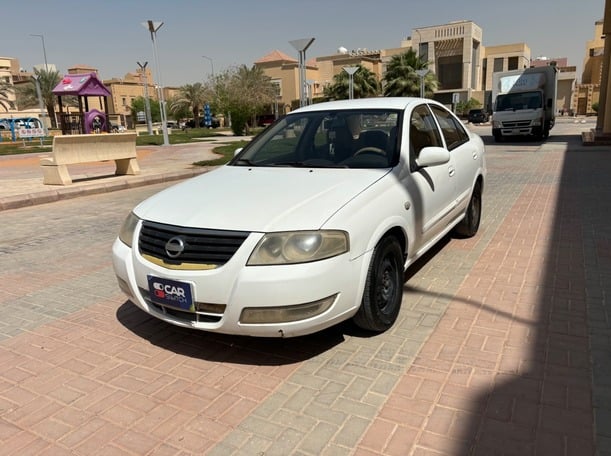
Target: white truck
{"points": [[524, 102]]}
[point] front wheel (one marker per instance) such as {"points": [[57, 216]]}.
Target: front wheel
{"points": [[383, 288], [469, 225]]}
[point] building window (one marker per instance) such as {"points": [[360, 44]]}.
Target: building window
{"points": [[124, 101], [498, 64], [423, 51], [512, 63]]}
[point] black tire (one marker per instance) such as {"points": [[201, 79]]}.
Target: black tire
{"points": [[383, 289], [469, 225]]}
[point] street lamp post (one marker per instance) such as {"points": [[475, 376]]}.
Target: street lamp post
{"points": [[310, 85], [153, 27], [41, 104], [147, 103], [44, 50], [211, 64], [422, 73], [351, 70], [301, 46]]}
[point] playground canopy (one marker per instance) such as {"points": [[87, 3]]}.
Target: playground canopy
{"points": [[87, 85], [82, 86]]}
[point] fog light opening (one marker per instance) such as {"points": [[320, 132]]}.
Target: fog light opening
{"points": [[285, 314]]}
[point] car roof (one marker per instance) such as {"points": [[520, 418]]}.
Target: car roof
{"points": [[367, 103]]}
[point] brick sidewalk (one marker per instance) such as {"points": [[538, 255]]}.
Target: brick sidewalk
{"points": [[502, 346], [507, 369], [22, 185]]}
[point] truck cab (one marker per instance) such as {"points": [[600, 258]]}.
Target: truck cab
{"points": [[524, 103]]}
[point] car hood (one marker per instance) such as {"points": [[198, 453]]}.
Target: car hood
{"points": [[258, 198]]}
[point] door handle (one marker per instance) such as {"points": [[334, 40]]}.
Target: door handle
{"points": [[451, 171]]}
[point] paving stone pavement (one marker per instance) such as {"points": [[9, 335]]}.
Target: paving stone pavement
{"points": [[502, 346]]}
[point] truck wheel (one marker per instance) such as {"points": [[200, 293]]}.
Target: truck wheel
{"points": [[383, 288], [469, 225]]}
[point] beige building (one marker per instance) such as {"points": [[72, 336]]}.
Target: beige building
{"points": [[587, 93], [455, 51], [124, 91], [457, 57], [463, 66], [8, 67], [505, 57]]}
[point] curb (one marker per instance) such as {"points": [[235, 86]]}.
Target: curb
{"points": [[75, 191]]}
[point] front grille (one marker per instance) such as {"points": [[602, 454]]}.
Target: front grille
{"points": [[201, 246], [516, 124]]}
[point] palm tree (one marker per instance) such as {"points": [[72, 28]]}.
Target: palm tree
{"points": [[243, 92], [27, 95], [192, 97], [365, 84], [6, 90], [401, 79]]}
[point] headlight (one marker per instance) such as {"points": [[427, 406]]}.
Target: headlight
{"points": [[126, 234], [298, 247], [537, 123], [496, 124]]}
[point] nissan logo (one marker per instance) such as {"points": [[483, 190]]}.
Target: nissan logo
{"points": [[175, 246]]}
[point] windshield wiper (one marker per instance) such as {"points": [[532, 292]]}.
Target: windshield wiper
{"points": [[291, 164], [244, 162]]}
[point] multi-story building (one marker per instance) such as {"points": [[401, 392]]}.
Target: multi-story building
{"points": [[124, 91], [455, 53], [8, 67], [587, 94]]}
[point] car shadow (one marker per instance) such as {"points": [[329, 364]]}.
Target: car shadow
{"points": [[234, 349]]}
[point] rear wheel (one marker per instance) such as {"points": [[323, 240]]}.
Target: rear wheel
{"points": [[383, 288], [469, 225]]}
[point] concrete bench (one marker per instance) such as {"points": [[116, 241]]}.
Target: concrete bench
{"points": [[157, 129], [74, 149]]}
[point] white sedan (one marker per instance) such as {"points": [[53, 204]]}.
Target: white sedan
{"points": [[313, 223]]}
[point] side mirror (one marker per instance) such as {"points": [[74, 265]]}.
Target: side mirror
{"points": [[432, 156], [237, 151]]}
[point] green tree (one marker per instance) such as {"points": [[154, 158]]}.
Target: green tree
{"points": [[6, 91], [191, 97], [401, 79], [463, 107], [242, 93], [27, 95], [178, 111], [138, 105], [365, 84]]}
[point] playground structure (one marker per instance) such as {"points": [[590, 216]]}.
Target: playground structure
{"points": [[87, 120]]}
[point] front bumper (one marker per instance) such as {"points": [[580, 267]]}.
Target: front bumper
{"points": [[222, 294], [517, 131]]}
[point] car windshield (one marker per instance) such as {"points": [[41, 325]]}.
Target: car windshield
{"points": [[327, 139]]}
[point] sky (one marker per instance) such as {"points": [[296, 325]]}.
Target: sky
{"points": [[109, 35]]}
